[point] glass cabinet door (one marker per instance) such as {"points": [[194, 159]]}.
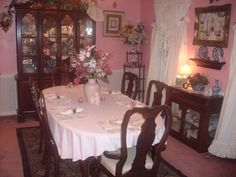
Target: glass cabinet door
{"points": [[67, 37], [50, 44], [29, 44], [185, 121], [86, 32]]}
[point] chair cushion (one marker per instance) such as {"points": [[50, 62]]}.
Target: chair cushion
{"points": [[110, 164]]}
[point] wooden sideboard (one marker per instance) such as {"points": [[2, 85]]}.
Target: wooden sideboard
{"points": [[195, 117]]}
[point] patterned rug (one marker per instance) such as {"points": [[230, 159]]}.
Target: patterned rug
{"points": [[28, 139]]}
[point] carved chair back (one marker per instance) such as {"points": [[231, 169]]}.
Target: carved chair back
{"points": [[145, 143], [160, 91], [130, 84]]}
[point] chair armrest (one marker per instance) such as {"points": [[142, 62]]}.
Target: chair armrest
{"points": [[112, 154]]}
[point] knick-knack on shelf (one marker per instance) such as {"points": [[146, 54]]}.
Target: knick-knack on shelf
{"points": [[216, 88]]}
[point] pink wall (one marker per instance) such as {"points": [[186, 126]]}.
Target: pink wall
{"points": [[109, 44], [147, 15], [212, 74], [7, 46], [113, 44], [134, 10]]}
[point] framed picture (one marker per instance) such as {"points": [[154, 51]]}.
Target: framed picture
{"points": [[112, 23], [211, 26]]}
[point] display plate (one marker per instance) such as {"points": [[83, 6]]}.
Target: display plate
{"points": [[203, 52], [217, 54]]}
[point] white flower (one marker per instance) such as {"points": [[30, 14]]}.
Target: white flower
{"points": [[88, 53], [91, 47], [82, 55], [92, 63]]}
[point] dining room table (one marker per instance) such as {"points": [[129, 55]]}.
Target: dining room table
{"points": [[82, 130]]}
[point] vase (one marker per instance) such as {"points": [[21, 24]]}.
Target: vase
{"points": [[198, 87], [216, 88], [92, 91], [133, 48]]}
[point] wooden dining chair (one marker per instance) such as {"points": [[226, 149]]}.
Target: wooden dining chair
{"points": [[50, 145], [35, 93], [159, 92], [130, 85], [135, 161]]}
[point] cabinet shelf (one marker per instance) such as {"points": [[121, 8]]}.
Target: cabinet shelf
{"points": [[208, 63]]}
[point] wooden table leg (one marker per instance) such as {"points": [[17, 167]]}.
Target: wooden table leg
{"points": [[84, 167]]}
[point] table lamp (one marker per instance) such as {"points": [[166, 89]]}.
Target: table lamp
{"points": [[185, 71]]}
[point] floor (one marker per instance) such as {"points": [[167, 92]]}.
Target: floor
{"points": [[190, 162]]}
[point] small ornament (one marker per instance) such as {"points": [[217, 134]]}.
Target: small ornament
{"points": [[217, 54], [216, 88], [114, 4], [203, 52]]}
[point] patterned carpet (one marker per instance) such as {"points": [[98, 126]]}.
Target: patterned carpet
{"points": [[28, 139]]}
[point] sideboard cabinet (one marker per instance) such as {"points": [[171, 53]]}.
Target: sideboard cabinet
{"points": [[46, 38], [195, 117]]}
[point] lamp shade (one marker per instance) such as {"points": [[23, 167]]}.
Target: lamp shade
{"points": [[95, 13], [185, 70]]}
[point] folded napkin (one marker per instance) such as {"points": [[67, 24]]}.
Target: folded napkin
{"points": [[130, 104], [134, 123], [109, 126], [116, 93], [53, 96], [72, 111], [139, 104]]}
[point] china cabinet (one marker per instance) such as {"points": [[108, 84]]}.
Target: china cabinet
{"points": [[47, 38], [134, 64], [195, 117]]}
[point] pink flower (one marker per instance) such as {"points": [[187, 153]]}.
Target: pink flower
{"points": [[92, 64]]}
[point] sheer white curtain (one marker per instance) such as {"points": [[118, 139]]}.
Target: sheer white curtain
{"points": [[168, 40], [224, 143]]}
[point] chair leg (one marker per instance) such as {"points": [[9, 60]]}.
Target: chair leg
{"points": [[40, 142], [57, 167], [45, 154], [47, 166], [94, 169]]}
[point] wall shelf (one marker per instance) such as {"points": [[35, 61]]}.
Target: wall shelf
{"points": [[208, 63]]}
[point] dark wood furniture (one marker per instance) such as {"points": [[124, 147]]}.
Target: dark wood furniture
{"points": [[208, 63], [134, 64], [130, 85], [46, 38], [135, 161], [50, 148], [160, 92], [195, 117]]}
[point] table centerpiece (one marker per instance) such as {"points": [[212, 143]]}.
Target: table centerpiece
{"points": [[91, 65]]}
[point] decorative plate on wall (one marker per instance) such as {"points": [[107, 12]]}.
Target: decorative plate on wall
{"points": [[217, 54], [203, 52]]}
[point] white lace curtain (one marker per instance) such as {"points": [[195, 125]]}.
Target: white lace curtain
{"points": [[168, 40], [224, 143]]}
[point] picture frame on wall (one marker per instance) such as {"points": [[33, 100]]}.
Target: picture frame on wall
{"points": [[211, 26], [112, 24]]}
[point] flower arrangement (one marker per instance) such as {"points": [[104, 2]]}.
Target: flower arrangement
{"points": [[6, 19], [133, 34], [91, 64], [198, 81]]}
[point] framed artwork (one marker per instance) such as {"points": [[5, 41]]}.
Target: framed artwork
{"points": [[112, 23], [211, 26]]}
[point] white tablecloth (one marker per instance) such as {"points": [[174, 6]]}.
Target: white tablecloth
{"points": [[88, 132]]}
